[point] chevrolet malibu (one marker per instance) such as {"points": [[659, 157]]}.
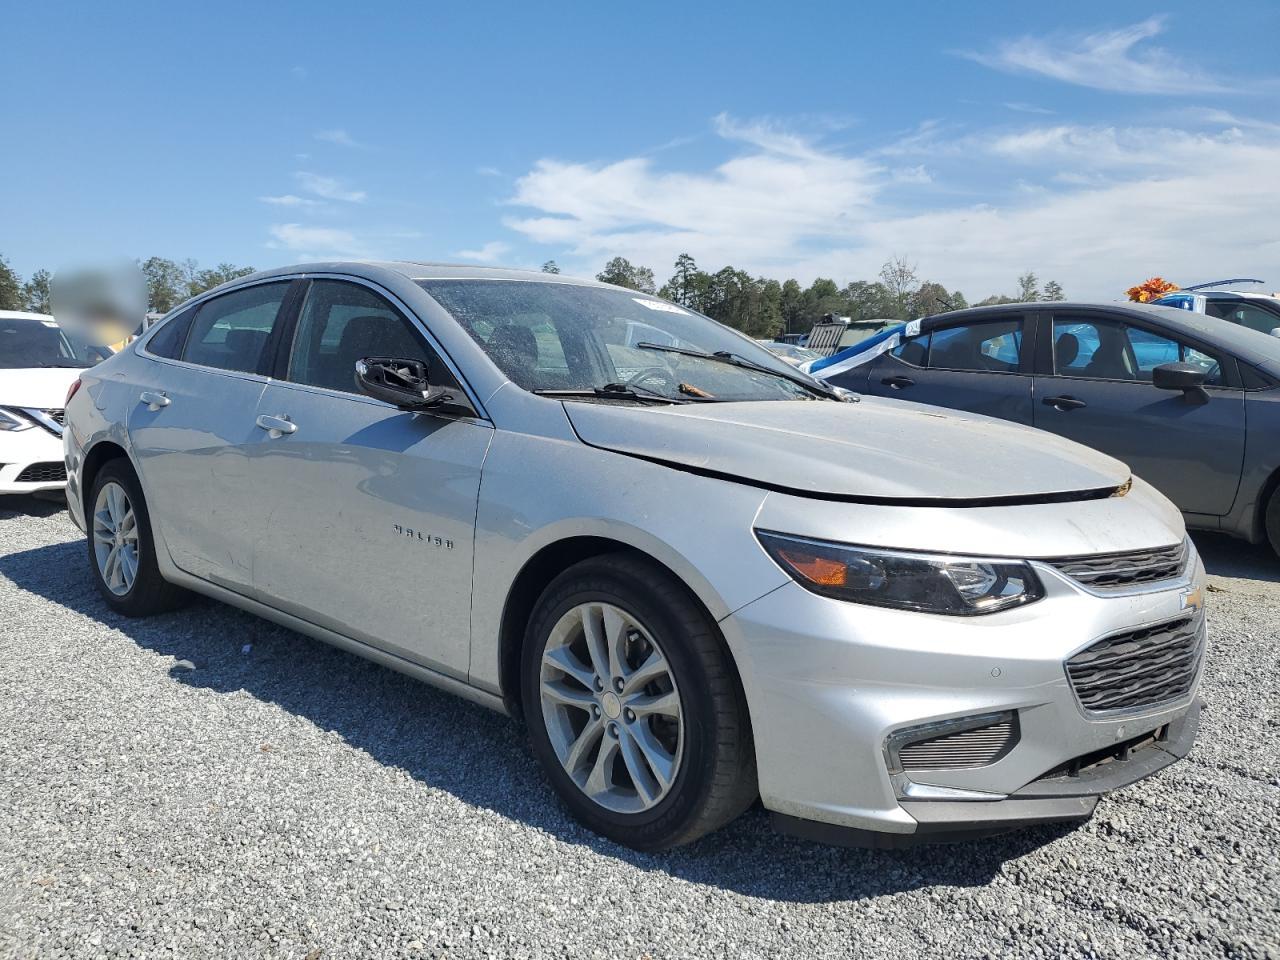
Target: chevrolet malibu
{"points": [[698, 575]]}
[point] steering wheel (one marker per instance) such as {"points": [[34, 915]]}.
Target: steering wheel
{"points": [[658, 373]]}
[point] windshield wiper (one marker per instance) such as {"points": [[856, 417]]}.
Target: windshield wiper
{"points": [[733, 360], [612, 391]]}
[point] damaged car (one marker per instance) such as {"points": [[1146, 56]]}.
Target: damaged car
{"points": [[698, 575]]}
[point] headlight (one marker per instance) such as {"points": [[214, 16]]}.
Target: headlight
{"points": [[928, 583], [9, 420]]}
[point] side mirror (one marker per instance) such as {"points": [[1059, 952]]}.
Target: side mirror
{"points": [[1186, 377], [403, 383]]}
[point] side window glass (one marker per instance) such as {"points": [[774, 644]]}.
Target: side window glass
{"points": [[341, 323], [230, 331], [914, 350], [991, 346], [168, 340], [1091, 348]]}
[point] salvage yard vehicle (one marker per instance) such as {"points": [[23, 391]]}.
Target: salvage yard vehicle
{"points": [[1190, 402], [38, 362], [709, 579], [1257, 311]]}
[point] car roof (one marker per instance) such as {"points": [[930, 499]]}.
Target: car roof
{"points": [[1250, 345], [22, 315], [423, 270]]}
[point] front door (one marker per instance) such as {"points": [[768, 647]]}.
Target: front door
{"points": [[1100, 394], [982, 366], [192, 430], [372, 519]]}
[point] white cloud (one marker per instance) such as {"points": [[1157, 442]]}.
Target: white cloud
{"points": [[290, 200], [1092, 207], [488, 171], [1027, 108], [328, 187], [315, 243], [1106, 60], [489, 253], [340, 137], [298, 73]]}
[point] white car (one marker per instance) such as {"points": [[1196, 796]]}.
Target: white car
{"points": [[38, 364]]}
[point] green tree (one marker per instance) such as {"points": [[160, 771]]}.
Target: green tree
{"points": [[930, 299], [791, 306], [550, 267], [35, 293], [11, 297], [1028, 288], [1053, 291], [688, 284], [198, 281], [899, 278], [166, 284], [620, 272], [865, 300]]}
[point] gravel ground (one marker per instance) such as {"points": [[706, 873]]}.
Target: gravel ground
{"points": [[206, 784]]}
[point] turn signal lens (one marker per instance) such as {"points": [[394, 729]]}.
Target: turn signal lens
{"points": [[927, 583]]}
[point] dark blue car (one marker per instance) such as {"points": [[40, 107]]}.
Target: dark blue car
{"points": [[1190, 402]]}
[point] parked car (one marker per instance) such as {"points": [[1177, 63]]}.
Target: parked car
{"points": [[711, 580], [790, 352], [1257, 311], [38, 364], [1188, 401]]}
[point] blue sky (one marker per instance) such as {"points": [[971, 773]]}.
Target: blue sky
{"points": [[1094, 143]]}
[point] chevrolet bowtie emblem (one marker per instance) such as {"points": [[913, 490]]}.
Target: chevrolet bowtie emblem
{"points": [[1193, 599]]}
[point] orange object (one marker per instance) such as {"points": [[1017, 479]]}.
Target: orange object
{"points": [[1152, 289], [828, 573]]}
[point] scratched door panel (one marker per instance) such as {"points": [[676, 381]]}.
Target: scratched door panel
{"points": [[372, 521]]}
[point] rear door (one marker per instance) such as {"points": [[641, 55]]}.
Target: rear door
{"points": [[1096, 388], [192, 431], [979, 365], [372, 509]]}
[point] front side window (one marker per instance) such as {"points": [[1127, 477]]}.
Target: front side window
{"points": [[989, 346], [1244, 313], [343, 322], [230, 332], [1111, 350], [548, 336]]}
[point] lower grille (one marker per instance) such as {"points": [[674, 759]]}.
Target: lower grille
{"points": [[1139, 668], [963, 748], [43, 473], [58, 416], [1118, 570]]}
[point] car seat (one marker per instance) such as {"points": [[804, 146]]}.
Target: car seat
{"points": [[515, 350]]}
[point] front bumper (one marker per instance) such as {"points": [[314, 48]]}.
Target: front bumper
{"points": [[829, 683], [34, 452]]}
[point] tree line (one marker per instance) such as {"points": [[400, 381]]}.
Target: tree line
{"points": [[169, 283], [762, 307], [758, 306]]}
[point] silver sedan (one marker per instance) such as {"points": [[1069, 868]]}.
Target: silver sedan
{"points": [[697, 574]]}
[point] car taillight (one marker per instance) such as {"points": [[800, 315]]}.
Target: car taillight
{"points": [[71, 392]]}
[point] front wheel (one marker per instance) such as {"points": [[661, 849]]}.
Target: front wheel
{"points": [[633, 705]]}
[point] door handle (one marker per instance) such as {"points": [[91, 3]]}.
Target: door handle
{"points": [[153, 400], [897, 383], [276, 426], [1064, 403]]}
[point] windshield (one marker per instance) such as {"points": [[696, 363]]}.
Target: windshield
{"points": [[549, 337], [41, 343]]}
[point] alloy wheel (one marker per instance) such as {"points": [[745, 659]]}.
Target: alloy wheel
{"points": [[115, 538], [611, 707]]}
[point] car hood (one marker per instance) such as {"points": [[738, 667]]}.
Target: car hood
{"points": [[871, 451], [42, 387]]}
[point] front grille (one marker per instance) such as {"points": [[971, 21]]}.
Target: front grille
{"points": [[1117, 570], [963, 749], [1139, 668], [43, 473]]}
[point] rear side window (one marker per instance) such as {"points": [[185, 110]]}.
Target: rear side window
{"points": [[341, 323], [169, 339], [230, 332], [990, 346]]}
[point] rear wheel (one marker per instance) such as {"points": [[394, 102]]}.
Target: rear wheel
{"points": [[633, 705], [122, 550]]}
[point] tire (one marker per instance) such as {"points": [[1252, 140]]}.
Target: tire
{"points": [[116, 488], [1272, 520], [699, 740]]}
